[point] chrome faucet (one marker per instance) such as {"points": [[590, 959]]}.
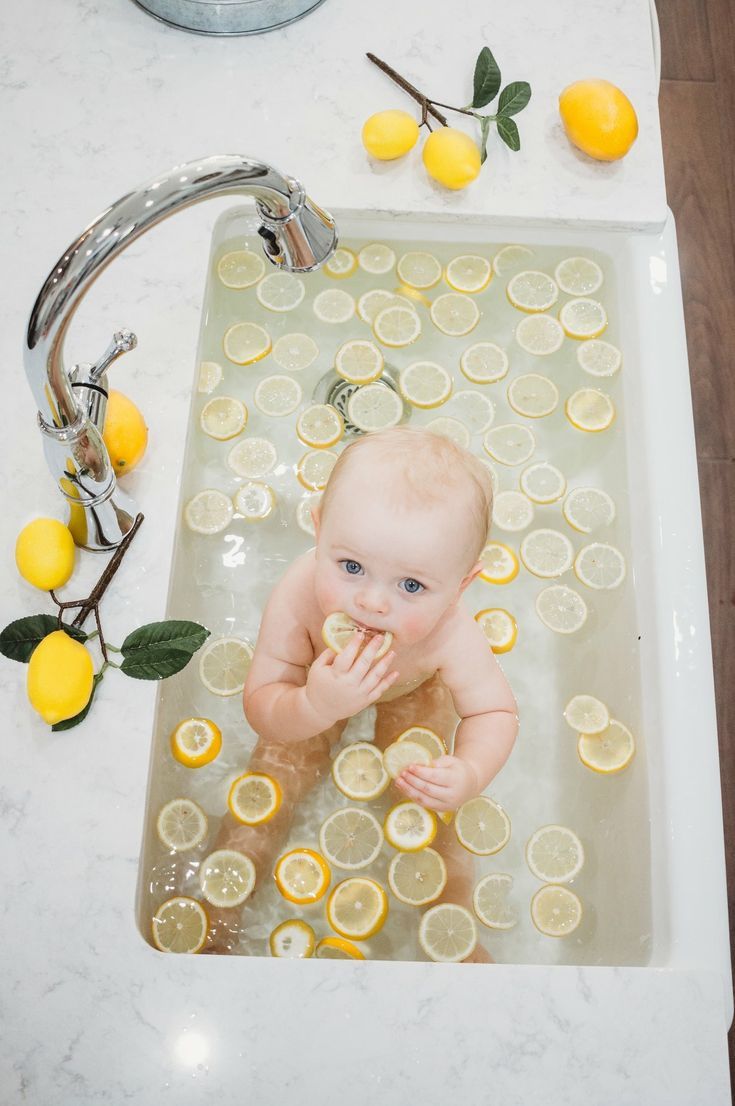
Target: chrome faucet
{"points": [[297, 236]]}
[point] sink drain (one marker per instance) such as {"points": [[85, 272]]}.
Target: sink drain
{"points": [[335, 390]]}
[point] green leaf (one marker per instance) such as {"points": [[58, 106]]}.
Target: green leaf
{"points": [[155, 663], [68, 723], [514, 98], [176, 634], [485, 125], [20, 638], [487, 79], [508, 131]]}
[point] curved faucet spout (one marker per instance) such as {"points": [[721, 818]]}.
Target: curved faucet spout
{"points": [[297, 235]]}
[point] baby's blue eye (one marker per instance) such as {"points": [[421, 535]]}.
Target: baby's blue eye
{"points": [[413, 587], [352, 567]]}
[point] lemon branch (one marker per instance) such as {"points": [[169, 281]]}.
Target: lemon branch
{"points": [[92, 602]]}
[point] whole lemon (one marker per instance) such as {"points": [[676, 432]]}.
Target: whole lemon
{"points": [[451, 157], [44, 553], [125, 433], [598, 118], [60, 677], [389, 134]]}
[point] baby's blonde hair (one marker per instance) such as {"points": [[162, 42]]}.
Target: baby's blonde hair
{"points": [[428, 467]]}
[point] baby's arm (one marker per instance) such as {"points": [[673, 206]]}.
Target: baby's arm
{"points": [[486, 732]]}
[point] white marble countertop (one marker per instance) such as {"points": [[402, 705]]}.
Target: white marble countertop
{"points": [[103, 97]]}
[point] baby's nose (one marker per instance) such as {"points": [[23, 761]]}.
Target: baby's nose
{"points": [[373, 599]]}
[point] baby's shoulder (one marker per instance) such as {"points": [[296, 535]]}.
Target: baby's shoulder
{"points": [[297, 582], [457, 629]]}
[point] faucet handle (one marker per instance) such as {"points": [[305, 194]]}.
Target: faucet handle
{"points": [[122, 342]]}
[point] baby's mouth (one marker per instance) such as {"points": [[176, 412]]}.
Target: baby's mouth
{"points": [[370, 629]]}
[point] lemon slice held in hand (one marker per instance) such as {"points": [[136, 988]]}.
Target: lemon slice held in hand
{"points": [[422, 735], [338, 628], [402, 753]]}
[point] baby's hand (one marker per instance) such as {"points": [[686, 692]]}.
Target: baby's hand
{"points": [[444, 784], [342, 684]]}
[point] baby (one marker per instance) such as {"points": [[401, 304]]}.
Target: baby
{"points": [[399, 529]]}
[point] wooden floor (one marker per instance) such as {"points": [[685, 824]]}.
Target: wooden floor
{"points": [[697, 105]]}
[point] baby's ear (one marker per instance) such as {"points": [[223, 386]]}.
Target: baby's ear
{"points": [[471, 575], [314, 511]]}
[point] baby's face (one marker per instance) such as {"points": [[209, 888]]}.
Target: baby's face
{"points": [[387, 569]]}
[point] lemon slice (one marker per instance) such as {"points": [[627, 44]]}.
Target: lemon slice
{"points": [[422, 735], [555, 911], [468, 273], [302, 876], [374, 407], [561, 609], [547, 553], [410, 826], [500, 564], [320, 426], [484, 363], [451, 428], [499, 627], [245, 343], [511, 257], [181, 825], [512, 511], [599, 358], [294, 352], [587, 508], [372, 302], [586, 714], [376, 258], [357, 908], [208, 512], [510, 444], [278, 395], [583, 318], [533, 395], [180, 925], [254, 500], [472, 408], [334, 306], [342, 263], [210, 375], [402, 753], [600, 566], [555, 854], [489, 900], [590, 410], [492, 471], [224, 665], [223, 417], [358, 771], [254, 797], [425, 384], [578, 276], [532, 290], [351, 838], [227, 877], [543, 483], [397, 325], [196, 742], [359, 361], [240, 269], [539, 334], [338, 628], [454, 314], [293, 940], [417, 878], [482, 826], [314, 468], [281, 292], [447, 933], [252, 458], [303, 513], [336, 948], [607, 752], [419, 269]]}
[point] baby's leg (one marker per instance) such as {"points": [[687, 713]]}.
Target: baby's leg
{"points": [[431, 705], [298, 767]]}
